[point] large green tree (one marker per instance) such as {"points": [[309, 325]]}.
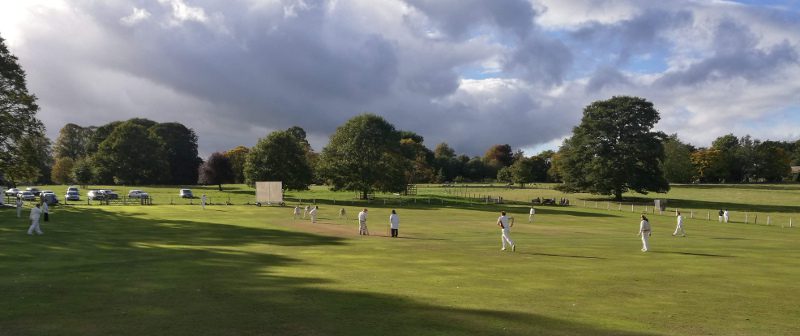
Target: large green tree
{"points": [[18, 123], [132, 155], [677, 164], [72, 142], [179, 145], [279, 157], [773, 163], [614, 149], [238, 157], [364, 155]]}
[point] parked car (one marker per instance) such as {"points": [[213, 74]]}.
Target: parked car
{"points": [[137, 194], [186, 193], [72, 196], [35, 191], [110, 194], [96, 195], [49, 198], [26, 196], [73, 188], [12, 192]]}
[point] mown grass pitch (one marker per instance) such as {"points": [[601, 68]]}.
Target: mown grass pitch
{"points": [[181, 270]]}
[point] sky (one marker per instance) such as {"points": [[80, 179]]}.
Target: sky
{"points": [[471, 73]]}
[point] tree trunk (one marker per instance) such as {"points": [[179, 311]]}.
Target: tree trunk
{"points": [[618, 194], [220, 187], [364, 194]]}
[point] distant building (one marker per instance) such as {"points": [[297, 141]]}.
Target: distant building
{"points": [[795, 173]]}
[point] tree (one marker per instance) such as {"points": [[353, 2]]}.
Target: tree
{"points": [[62, 170], [131, 155], [443, 151], [82, 171], [499, 156], [730, 163], [773, 163], [179, 145], [364, 155], [505, 175], [34, 162], [73, 142], [707, 165], [614, 149], [18, 122], [238, 157], [99, 134], [216, 170], [677, 165], [420, 158], [279, 157]]}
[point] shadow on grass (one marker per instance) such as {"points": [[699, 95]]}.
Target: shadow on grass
{"points": [[560, 255], [696, 254], [96, 272]]}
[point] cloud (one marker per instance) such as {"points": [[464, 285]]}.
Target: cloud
{"points": [[137, 16], [471, 73]]}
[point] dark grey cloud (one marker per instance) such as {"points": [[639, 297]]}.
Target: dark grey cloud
{"points": [[472, 73], [458, 18]]}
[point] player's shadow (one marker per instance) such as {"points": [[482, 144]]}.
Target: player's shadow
{"points": [[559, 255], [696, 254], [96, 272]]}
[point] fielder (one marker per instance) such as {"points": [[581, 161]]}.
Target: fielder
{"points": [[36, 213], [721, 213], [394, 223], [679, 228], [505, 225], [530, 215], [313, 214], [305, 212], [203, 201], [362, 223], [726, 215], [19, 207], [644, 231], [296, 212]]}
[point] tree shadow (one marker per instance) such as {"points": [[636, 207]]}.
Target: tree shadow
{"points": [[96, 272]]}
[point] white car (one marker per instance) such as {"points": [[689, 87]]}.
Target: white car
{"points": [[73, 188], [12, 192], [137, 194], [96, 195], [186, 193]]}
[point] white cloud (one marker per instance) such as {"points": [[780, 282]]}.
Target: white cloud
{"points": [[138, 15]]}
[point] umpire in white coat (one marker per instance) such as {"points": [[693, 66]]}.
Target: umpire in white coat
{"points": [[394, 223]]}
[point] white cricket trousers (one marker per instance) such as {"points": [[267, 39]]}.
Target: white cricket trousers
{"points": [[505, 237], [679, 229], [530, 218], [362, 228], [645, 240], [313, 218], [19, 212], [34, 227]]}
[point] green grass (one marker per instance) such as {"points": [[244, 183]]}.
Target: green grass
{"points": [[246, 270]]}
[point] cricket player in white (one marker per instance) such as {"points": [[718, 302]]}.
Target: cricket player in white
{"points": [[394, 223], [19, 207], [296, 212], [45, 211], [36, 213], [679, 228], [726, 215], [530, 216], [362, 223], [203, 201], [313, 214], [505, 225], [305, 212], [644, 231]]}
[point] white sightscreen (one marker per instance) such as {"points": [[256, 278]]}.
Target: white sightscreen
{"points": [[269, 192]]}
